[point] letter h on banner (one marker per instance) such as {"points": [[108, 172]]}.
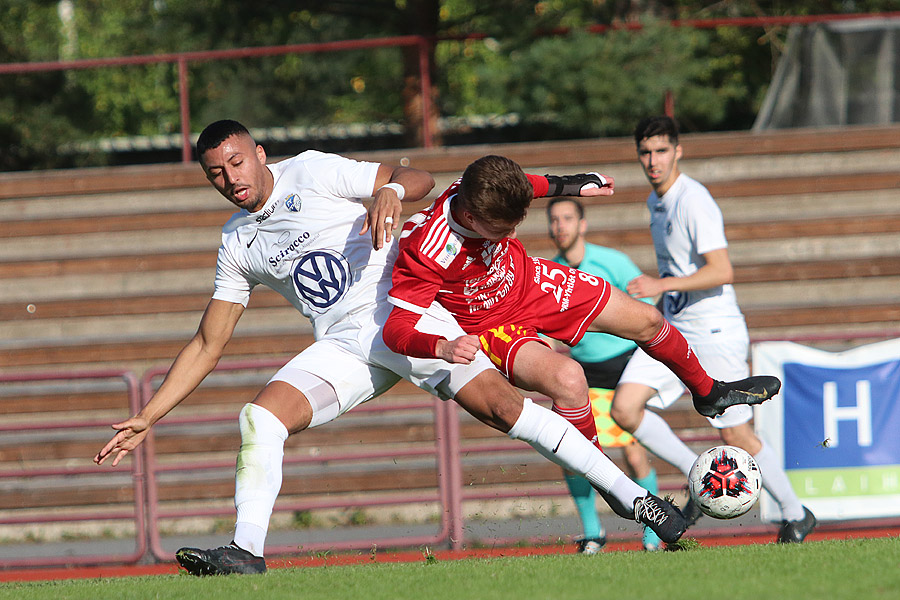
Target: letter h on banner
{"points": [[810, 425], [861, 413]]}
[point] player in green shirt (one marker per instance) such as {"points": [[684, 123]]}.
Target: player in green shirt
{"points": [[603, 358]]}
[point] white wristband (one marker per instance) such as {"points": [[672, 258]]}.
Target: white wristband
{"points": [[401, 191]]}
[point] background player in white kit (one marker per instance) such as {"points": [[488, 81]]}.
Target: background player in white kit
{"points": [[299, 232], [695, 276]]}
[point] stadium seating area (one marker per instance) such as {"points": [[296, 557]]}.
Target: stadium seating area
{"points": [[111, 268]]}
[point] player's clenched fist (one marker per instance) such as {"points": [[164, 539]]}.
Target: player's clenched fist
{"points": [[461, 350]]}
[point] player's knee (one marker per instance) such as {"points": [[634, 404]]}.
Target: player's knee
{"points": [[260, 426], [569, 387], [293, 409], [742, 437], [625, 416], [653, 322]]}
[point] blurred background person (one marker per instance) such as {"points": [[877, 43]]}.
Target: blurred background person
{"points": [[603, 357]]}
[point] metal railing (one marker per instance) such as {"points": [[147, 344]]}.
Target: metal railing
{"points": [[422, 44], [446, 454], [446, 494], [137, 514], [182, 60]]}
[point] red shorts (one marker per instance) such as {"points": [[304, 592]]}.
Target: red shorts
{"points": [[502, 343], [560, 302]]}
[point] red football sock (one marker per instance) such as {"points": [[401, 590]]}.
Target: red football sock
{"points": [[582, 419], [670, 348]]}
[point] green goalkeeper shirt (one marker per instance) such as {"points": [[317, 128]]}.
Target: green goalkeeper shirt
{"points": [[616, 268]]}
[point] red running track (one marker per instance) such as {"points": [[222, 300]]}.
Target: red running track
{"points": [[417, 555]]}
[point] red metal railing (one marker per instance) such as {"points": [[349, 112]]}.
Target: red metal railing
{"points": [[447, 452], [447, 472], [422, 44], [181, 59], [137, 514]]}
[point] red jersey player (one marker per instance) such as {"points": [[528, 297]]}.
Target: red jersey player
{"points": [[462, 253]]}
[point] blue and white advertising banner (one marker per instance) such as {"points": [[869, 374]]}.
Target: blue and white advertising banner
{"points": [[836, 426]]}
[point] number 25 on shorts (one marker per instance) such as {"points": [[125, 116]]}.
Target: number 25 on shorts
{"points": [[549, 278]]}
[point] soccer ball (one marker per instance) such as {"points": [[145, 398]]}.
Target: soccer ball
{"points": [[724, 482]]}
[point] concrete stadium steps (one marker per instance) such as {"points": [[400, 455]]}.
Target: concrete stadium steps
{"points": [[112, 268], [750, 196], [128, 302], [778, 145], [96, 260]]}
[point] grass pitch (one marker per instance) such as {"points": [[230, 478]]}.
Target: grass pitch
{"points": [[861, 569]]}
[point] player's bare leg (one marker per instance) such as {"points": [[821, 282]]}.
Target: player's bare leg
{"points": [[638, 321], [492, 400], [628, 405], [545, 371]]}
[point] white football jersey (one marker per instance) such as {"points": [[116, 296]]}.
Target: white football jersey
{"points": [[686, 223], [305, 242]]}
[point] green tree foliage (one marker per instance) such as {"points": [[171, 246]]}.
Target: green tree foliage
{"points": [[34, 108], [574, 84], [583, 85]]}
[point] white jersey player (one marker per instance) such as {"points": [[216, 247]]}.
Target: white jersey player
{"points": [[299, 231], [686, 224], [695, 275], [304, 243]]}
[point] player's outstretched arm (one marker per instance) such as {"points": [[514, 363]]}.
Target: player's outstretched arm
{"points": [[582, 184], [393, 186], [195, 361]]}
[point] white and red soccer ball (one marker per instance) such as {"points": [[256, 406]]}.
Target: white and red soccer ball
{"points": [[724, 482]]}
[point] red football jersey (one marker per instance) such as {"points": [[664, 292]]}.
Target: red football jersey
{"points": [[440, 260], [488, 284]]}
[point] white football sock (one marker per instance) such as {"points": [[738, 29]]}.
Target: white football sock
{"points": [[656, 435], [258, 475], [557, 440], [776, 482]]}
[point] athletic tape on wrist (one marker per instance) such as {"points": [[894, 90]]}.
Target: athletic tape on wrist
{"points": [[401, 191]]}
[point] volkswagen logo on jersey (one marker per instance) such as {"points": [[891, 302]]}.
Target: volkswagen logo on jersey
{"points": [[675, 301], [321, 278], [292, 203]]}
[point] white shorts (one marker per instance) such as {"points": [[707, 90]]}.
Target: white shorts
{"points": [[724, 359], [354, 360]]}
